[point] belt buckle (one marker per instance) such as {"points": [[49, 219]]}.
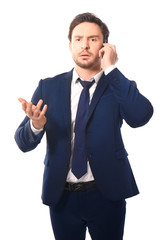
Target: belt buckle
{"points": [[79, 187]]}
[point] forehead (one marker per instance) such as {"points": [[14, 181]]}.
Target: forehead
{"points": [[87, 29]]}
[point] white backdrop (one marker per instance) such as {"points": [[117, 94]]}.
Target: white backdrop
{"points": [[33, 46]]}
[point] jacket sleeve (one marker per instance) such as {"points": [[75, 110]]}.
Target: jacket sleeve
{"points": [[135, 109], [24, 136]]}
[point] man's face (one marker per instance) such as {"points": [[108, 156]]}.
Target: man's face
{"points": [[86, 41]]}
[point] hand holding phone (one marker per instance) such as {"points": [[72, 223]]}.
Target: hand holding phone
{"points": [[108, 55]]}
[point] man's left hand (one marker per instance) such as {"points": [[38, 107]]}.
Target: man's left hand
{"points": [[108, 55]]}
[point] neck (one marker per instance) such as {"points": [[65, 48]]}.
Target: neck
{"points": [[86, 74]]}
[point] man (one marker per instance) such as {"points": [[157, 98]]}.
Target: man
{"points": [[87, 174]]}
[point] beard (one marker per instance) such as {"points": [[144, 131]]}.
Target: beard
{"points": [[87, 63]]}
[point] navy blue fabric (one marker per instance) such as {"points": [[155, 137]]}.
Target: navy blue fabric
{"points": [[115, 99], [78, 211], [79, 161]]}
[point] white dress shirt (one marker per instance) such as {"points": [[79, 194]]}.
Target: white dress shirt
{"points": [[76, 89]]}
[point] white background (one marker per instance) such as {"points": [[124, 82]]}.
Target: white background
{"points": [[33, 46]]}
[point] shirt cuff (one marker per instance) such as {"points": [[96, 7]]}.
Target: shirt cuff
{"points": [[109, 69], [34, 130]]}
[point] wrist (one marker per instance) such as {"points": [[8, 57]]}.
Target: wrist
{"points": [[37, 126], [34, 129]]}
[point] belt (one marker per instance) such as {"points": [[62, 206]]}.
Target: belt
{"points": [[81, 186]]}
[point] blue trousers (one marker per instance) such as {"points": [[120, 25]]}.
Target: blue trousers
{"points": [[78, 211]]}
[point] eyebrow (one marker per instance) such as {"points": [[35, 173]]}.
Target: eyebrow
{"points": [[92, 36]]}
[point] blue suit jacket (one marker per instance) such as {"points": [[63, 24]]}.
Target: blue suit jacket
{"points": [[115, 98]]}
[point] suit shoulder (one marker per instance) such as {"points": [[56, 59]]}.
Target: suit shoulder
{"points": [[57, 78]]}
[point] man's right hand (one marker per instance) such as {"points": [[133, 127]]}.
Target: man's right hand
{"points": [[34, 112]]}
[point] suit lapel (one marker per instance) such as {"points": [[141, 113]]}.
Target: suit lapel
{"points": [[97, 94], [67, 99]]}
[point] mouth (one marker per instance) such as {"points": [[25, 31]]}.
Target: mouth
{"points": [[85, 55]]}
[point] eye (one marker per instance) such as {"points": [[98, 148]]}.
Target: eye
{"points": [[93, 39], [77, 39]]}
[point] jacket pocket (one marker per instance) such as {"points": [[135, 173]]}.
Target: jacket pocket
{"points": [[121, 154]]}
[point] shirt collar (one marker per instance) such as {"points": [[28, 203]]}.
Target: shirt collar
{"points": [[96, 77]]}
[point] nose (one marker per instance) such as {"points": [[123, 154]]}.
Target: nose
{"points": [[85, 44]]}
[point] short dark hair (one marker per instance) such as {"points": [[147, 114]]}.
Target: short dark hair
{"points": [[89, 17]]}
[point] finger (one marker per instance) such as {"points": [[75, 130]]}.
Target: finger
{"points": [[37, 109], [101, 52], [29, 111], [109, 45], [39, 104], [21, 100], [44, 110], [112, 48], [24, 106], [33, 107], [36, 112], [24, 103], [42, 113]]}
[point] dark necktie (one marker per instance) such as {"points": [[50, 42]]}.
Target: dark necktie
{"points": [[79, 161]]}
